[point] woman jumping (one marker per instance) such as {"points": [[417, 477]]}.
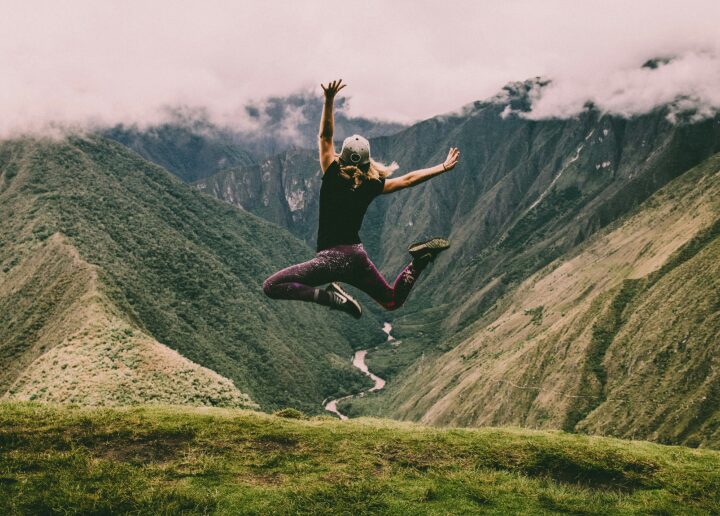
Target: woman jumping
{"points": [[350, 181]]}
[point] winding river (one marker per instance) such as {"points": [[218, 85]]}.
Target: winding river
{"points": [[359, 362]]}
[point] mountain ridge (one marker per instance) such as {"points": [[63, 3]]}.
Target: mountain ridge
{"points": [[97, 358], [193, 147]]}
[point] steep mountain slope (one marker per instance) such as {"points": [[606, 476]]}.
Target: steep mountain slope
{"points": [[62, 340], [525, 193], [620, 337], [170, 266], [284, 189]]}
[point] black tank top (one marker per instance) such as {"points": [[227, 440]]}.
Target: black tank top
{"points": [[342, 207]]}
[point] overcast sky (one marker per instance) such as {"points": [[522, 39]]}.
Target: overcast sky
{"points": [[112, 61]]}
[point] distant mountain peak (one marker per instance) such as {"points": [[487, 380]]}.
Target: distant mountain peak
{"points": [[518, 96], [515, 96], [658, 62]]}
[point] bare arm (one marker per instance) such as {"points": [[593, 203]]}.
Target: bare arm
{"points": [[420, 176], [325, 142]]}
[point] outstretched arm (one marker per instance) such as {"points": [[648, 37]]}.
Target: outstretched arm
{"points": [[420, 176], [327, 149]]}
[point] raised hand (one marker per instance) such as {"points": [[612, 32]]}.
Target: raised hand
{"points": [[452, 159], [332, 89]]}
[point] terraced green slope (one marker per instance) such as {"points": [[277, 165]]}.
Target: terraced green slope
{"points": [[172, 460], [157, 258]]}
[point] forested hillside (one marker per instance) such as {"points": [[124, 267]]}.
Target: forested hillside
{"points": [[102, 250]]}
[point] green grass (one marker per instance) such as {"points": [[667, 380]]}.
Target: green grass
{"points": [[150, 460]]}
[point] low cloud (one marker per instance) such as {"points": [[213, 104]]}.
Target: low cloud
{"points": [[687, 84], [83, 63]]}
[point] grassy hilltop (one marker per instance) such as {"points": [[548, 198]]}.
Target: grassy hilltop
{"points": [[169, 460]]}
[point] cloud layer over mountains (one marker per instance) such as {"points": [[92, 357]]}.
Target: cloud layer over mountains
{"points": [[82, 62], [687, 84]]}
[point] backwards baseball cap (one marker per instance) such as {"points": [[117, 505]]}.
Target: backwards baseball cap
{"points": [[355, 150]]}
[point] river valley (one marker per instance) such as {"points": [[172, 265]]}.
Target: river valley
{"points": [[358, 361]]}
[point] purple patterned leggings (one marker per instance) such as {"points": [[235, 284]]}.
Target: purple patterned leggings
{"points": [[344, 263]]}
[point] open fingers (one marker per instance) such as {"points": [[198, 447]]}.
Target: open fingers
{"points": [[333, 87], [452, 158]]}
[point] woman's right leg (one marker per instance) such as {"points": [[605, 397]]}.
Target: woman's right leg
{"points": [[300, 281]]}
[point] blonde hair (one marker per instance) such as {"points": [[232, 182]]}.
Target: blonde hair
{"points": [[375, 171]]}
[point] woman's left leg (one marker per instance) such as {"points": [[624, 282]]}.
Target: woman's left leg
{"points": [[365, 276]]}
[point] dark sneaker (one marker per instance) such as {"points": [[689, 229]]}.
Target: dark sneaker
{"points": [[427, 251], [341, 300]]}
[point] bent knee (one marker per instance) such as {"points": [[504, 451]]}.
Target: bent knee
{"points": [[268, 287], [391, 306]]}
